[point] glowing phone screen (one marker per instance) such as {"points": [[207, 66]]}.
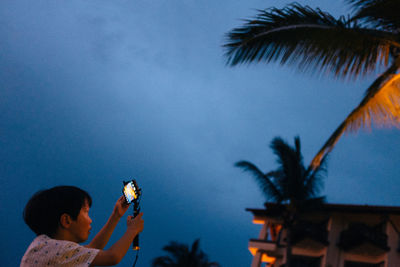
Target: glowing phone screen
{"points": [[130, 192]]}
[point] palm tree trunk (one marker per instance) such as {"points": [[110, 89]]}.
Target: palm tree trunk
{"points": [[353, 117]]}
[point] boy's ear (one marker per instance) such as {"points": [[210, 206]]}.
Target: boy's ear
{"points": [[65, 221]]}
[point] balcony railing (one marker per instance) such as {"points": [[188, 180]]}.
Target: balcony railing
{"points": [[316, 232], [265, 245], [359, 234]]}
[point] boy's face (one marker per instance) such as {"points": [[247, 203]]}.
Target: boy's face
{"points": [[80, 228]]}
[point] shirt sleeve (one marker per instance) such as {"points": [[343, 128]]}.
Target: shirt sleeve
{"points": [[51, 252]]}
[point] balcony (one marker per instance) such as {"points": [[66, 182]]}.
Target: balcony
{"points": [[264, 245], [362, 239], [310, 235]]}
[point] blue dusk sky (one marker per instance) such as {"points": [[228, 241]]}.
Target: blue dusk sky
{"points": [[93, 92]]}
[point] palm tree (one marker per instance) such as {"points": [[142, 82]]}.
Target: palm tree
{"points": [[309, 39], [291, 184], [183, 256]]}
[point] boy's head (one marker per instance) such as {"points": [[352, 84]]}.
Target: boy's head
{"points": [[43, 211]]}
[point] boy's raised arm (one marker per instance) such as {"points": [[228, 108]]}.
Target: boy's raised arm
{"points": [[101, 239], [116, 252]]}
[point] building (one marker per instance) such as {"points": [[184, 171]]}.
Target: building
{"points": [[335, 235]]}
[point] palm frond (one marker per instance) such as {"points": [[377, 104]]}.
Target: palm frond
{"points": [[362, 4], [162, 261], [377, 13], [267, 186], [310, 40], [295, 187], [290, 163], [176, 250], [250, 167], [284, 153], [196, 254], [380, 105], [182, 256], [195, 246], [299, 156], [313, 184], [297, 145]]}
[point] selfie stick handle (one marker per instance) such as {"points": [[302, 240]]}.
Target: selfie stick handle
{"points": [[135, 244]]}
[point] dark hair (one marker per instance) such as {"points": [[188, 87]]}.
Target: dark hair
{"points": [[43, 211]]}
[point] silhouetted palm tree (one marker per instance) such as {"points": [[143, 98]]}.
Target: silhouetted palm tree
{"points": [[182, 256], [348, 47], [291, 184]]}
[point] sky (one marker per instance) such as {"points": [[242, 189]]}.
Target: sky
{"points": [[94, 92]]}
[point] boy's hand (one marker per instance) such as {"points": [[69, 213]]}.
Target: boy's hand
{"points": [[120, 207], [135, 223]]}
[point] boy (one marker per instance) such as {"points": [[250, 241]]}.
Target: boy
{"points": [[60, 218]]}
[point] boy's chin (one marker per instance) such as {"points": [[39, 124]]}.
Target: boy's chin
{"points": [[83, 239]]}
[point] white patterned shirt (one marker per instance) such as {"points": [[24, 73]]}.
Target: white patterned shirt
{"points": [[44, 251]]}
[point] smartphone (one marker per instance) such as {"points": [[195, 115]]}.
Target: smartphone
{"points": [[130, 191]]}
